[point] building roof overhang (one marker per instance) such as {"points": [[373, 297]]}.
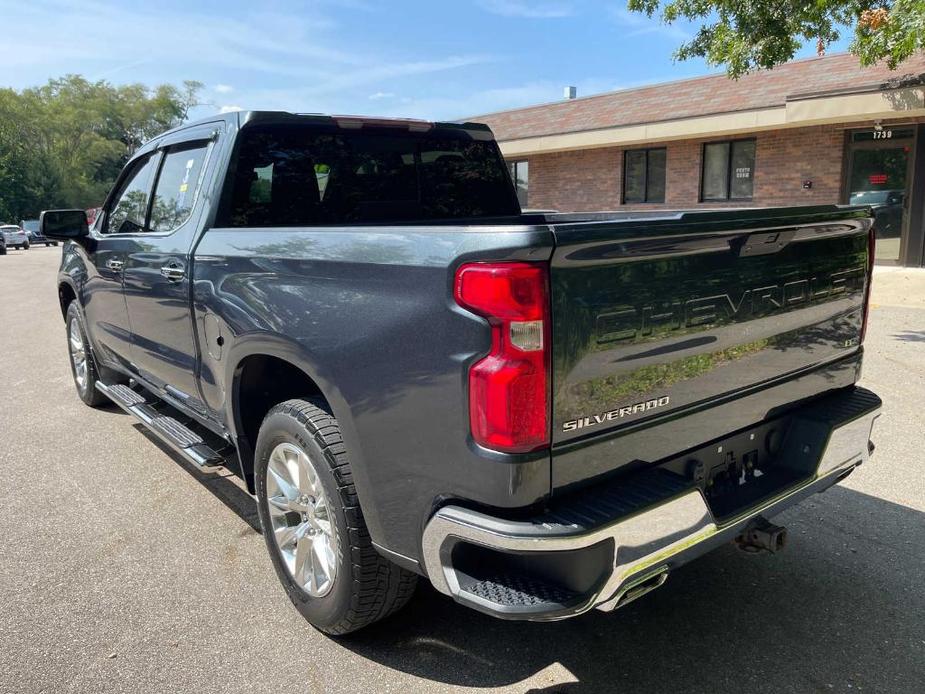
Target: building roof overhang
{"points": [[856, 105]]}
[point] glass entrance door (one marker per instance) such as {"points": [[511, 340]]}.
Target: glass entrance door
{"points": [[878, 175]]}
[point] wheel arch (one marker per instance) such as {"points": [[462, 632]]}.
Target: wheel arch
{"points": [[66, 294], [264, 375]]}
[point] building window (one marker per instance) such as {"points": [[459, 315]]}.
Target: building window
{"points": [[520, 174], [728, 170], [644, 175]]}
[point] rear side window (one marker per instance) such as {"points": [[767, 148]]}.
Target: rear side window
{"points": [[176, 187], [302, 176], [127, 213]]}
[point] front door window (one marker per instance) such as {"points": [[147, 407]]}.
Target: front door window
{"points": [[127, 214]]}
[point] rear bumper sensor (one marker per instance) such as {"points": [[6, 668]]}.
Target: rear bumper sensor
{"points": [[175, 434], [612, 544]]}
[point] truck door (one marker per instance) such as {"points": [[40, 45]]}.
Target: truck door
{"points": [[157, 271], [103, 300]]}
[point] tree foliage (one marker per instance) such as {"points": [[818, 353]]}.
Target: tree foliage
{"points": [[64, 143], [747, 35]]}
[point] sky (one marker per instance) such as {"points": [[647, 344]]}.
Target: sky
{"points": [[417, 59]]}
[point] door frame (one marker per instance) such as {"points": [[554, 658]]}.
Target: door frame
{"points": [[915, 248]]}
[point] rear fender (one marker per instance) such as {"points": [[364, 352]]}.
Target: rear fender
{"points": [[292, 352]]}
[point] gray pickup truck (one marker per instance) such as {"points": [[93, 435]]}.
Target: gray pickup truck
{"points": [[540, 413]]}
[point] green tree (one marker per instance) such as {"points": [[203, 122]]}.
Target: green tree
{"points": [[747, 35], [64, 143], [25, 175]]}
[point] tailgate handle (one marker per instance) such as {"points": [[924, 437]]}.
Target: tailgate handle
{"points": [[764, 243]]}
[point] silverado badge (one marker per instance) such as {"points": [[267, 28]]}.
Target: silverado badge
{"points": [[617, 413]]}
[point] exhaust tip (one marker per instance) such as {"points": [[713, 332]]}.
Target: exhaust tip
{"points": [[641, 586]]}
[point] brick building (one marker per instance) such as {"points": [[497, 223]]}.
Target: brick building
{"points": [[816, 131]]}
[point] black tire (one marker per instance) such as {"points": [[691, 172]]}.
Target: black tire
{"points": [[366, 587], [2, 250], [87, 392], [25, 246]]}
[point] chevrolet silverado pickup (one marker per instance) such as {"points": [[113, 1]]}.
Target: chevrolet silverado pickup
{"points": [[541, 413]]}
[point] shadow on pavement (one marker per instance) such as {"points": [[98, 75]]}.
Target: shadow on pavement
{"points": [[911, 336], [841, 609], [221, 483]]}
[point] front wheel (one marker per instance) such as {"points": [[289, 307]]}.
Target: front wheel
{"points": [[83, 368], [313, 524], [25, 246]]}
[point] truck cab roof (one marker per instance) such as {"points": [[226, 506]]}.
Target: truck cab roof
{"points": [[346, 121]]}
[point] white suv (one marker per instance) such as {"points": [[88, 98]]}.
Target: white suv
{"points": [[14, 236]]}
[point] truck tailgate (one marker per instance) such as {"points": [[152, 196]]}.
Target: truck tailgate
{"points": [[655, 317]]}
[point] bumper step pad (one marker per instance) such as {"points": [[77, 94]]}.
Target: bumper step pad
{"points": [[513, 590], [178, 436], [608, 502]]}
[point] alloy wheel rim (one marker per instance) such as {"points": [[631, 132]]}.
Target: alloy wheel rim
{"points": [[78, 354], [300, 519]]}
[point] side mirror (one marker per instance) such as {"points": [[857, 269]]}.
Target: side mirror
{"points": [[64, 224]]}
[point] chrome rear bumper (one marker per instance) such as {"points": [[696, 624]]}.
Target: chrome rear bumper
{"points": [[635, 551]]}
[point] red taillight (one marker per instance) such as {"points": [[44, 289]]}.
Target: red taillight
{"points": [[871, 251], [509, 388]]}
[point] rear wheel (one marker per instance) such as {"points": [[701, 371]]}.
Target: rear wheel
{"points": [[83, 367], [313, 524], [25, 246]]}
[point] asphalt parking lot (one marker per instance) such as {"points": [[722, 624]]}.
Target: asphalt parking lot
{"points": [[121, 569]]}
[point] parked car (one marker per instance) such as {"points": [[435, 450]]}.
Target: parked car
{"points": [[887, 206], [540, 413], [14, 236], [34, 232]]}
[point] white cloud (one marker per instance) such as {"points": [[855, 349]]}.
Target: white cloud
{"points": [[468, 104], [527, 10], [230, 109], [638, 24], [290, 45], [300, 62]]}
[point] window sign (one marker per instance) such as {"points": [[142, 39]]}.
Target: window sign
{"points": [[728, 170]]}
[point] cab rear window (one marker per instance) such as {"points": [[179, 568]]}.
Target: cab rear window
{"points": [[305, 176]]}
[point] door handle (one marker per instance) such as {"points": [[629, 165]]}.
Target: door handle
{"points": [[115, 265], [173, 273]]}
